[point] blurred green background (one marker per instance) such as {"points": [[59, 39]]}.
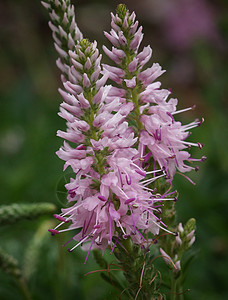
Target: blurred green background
{"points": [[189, 40]]}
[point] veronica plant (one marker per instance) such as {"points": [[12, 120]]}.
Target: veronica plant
{"points": [[124, 147]]}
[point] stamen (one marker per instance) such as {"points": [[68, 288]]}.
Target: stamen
{"points": [[53, 231], [203, 158], [90, 249], [139, 170], [128, 179], [121, 181], [109, 217], [60, 224], [163, 228], [83, 228], [85, 238], [67, 213], [62, 219], [102, 198], [186, 178], [115, 244], [151, 172], [90, 219], [201, 121], [68, 241], [171, 116], [129, 200], [140, 234], [148, 189], [196, 168], [67, 229], [133, 220], [147, 156], [96, 226], [165, 194], [150, 180], [121, 227], [125, 195], [200, 145], [183, 110], [191, 125]]}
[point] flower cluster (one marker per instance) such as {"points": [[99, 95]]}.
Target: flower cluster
{"points": [[120, 141], [65, 31], [184, 239], [159, 134], [110, 189]]}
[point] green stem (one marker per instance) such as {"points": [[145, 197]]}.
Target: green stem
{"points": [[134, 94], [173, 286], [24, 288]]}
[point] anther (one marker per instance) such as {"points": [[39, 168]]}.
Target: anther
{"points": [[129, 200], [53, 231], [147, 156], [102, 198], [201, 121], [140, 172], [200, 145], [96, 226], [61, 219], [125, 236]]}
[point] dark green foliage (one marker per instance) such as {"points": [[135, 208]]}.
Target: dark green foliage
{"points": [[143, 280]]}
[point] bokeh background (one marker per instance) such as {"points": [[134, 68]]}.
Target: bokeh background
{"points": [[189, 39]]}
